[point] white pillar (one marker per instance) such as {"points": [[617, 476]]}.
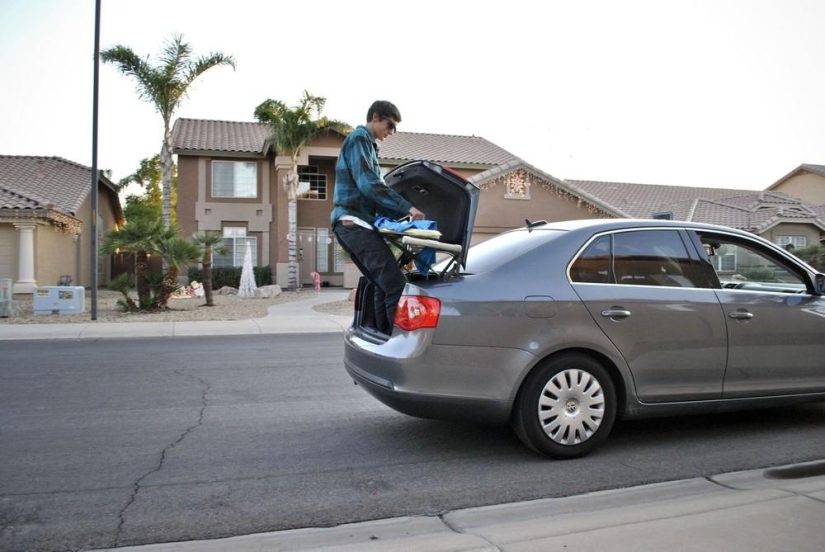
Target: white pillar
{"points": [[25, 263]]}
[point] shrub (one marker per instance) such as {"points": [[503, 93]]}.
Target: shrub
{"points": [[231, 276], [814, 255]]}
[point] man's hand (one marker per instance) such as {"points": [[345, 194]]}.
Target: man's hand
{"points": [[415, 214]]}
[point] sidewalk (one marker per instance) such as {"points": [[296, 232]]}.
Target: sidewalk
{"points": [[760, 510], [292, 317], [772, 510]]}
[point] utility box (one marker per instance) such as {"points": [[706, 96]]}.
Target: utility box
{"points": [[6, 297], [59, 300]]}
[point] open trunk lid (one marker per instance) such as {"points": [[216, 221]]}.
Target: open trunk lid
{"points": [[444, 196]]}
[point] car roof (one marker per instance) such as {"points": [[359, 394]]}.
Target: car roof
{"points": [[614, 224]]}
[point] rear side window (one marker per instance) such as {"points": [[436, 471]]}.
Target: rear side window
{"points": [[593, 266], [638, 258]]}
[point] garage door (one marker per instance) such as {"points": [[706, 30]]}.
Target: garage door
{"points": [[7, 235]]}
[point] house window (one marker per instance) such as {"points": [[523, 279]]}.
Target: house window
{"points": [[339, 255], [322, 250], [234, 242], [234, 179], [791, 242], [311, 184]]}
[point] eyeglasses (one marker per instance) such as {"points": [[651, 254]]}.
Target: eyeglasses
{"points": [[390, 123]]}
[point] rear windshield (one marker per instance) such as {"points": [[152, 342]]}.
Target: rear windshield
{"points": [[503, 248]]}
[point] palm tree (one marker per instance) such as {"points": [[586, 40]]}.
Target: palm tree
{"points": [[177, 253], [291, 130], [165, 86], [207, 241], [136, 237]]}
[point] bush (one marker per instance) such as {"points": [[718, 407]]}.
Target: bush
{"points": [[814, 255], [231, 276], [760, 274]]}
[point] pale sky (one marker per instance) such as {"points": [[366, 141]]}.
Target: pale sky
{"points": [[718, 93]]}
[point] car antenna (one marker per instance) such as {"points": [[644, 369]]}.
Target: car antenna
{"points": [[531, 225]]}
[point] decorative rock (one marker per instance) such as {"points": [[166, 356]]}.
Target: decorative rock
{"points": [[268, 291]]}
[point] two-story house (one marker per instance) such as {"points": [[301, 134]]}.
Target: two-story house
{"points": [[229, 181]]}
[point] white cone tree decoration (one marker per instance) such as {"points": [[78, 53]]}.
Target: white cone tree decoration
{"points": [[248, 286]]}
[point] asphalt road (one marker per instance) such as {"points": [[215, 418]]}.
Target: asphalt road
{"points": [[122, 442]]}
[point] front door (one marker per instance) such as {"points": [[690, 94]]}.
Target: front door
{"points": [[307, 244], [776, 326]]}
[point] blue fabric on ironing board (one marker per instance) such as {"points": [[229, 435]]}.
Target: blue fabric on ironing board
{"points": [[426, 257]]}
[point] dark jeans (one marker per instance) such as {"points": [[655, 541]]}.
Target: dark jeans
{"points": [[373, 257]]}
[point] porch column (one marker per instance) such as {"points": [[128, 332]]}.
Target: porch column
{"points": [[25, 263]]}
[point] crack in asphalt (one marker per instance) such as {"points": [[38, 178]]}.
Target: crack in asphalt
{"points": [[205, 388]]}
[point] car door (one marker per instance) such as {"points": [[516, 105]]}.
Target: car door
{"points": [[648, 293], [776, 326]]}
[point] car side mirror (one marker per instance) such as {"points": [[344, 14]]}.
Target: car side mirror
{"points": [[819, 284]]}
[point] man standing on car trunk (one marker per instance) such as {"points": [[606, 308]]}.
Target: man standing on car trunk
{"points": [[360, 196]]}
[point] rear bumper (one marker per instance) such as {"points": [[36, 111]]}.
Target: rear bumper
{"points": [[416, 377], [438, 407]]}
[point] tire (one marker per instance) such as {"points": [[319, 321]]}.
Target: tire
{"points": [[566, 407]]}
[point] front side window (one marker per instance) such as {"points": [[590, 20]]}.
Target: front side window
{"points": [[234, 179], [234, 244], [745, 265]]}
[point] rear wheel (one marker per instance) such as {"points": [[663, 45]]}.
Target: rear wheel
{"points": [[566, 406]]}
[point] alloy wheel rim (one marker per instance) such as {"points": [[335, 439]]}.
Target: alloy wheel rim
{"points": [[571, 407]]}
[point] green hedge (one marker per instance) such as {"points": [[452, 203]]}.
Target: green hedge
{"points": [[231, 276]]}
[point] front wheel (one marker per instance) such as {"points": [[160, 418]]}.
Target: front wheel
{"points": [[566, 407]]}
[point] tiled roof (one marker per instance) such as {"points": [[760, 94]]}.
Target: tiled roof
{"points": [[228, 136], [193, 135], [442, 148], [749, 210], [34, 182], [239, 137], [643, 200]]}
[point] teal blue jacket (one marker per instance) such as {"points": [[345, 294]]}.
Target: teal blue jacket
{"points": [[360, 190]]}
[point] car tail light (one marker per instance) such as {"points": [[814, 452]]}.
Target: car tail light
{"points": [[416, 312]]}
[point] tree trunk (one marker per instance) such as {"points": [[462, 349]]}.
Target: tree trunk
{"points": [[170, 284], [166, 175], [291, 185], [207, 282], [293, 244], [166, 180], [141, 280]]}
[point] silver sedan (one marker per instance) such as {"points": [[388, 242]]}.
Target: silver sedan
{"points": [[561, 329]]}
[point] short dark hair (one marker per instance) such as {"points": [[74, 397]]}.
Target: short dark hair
{"points": [[384, 109]]}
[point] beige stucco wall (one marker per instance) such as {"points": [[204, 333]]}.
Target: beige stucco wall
{"points": [[8, 251], [56, 254], [811, 232], [497, 213], [81, 269], [807, 186]]}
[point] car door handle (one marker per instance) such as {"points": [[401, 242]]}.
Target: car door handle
{"points": [[615, 313], [739, 315]]}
